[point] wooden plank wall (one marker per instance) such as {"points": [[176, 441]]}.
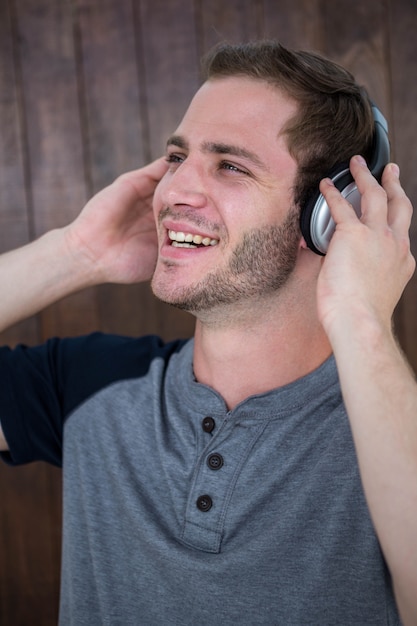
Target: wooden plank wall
{"points": [[91, 88]]}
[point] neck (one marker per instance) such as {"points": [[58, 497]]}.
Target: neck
{"points": [[250, 354]]}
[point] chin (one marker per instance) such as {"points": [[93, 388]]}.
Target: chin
{"points": [[164, 290]]}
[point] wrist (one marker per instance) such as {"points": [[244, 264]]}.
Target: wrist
{"points": [[359, 328], [79, 260], [37, 275]]}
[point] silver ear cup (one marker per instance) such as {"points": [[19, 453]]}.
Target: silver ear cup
{"points": [[322, 225]]}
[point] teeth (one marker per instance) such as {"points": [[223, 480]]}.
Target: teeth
{"points": [[187, 240], [177, 244]]}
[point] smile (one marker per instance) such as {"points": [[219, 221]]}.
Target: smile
{"points": [[188, 240]]}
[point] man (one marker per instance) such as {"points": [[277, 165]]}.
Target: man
{"points": [[225, 479]]}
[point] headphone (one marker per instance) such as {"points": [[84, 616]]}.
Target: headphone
{"points": [[317, 224]]}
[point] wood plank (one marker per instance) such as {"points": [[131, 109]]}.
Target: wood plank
{"points": [[112, 92], [403, 65], [15, 209], [56, 154], [30, 545], [52, 108], [169, 58]]}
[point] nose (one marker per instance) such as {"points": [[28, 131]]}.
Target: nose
{"points": [[185, 185]]}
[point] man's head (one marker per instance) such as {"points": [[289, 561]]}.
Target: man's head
{"points": [[261, 131]]}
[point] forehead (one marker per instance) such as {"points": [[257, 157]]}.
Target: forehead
{"points": [[238, 107]]}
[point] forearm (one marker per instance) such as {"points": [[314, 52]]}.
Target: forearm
{"points": [[380, 394], [38, 274]]}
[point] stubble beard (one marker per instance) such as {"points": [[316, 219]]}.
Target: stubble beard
{"points": [[260, 265]]}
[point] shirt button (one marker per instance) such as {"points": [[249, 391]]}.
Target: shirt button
{"points": [[215, 461], [204, 503], [208, 424]]}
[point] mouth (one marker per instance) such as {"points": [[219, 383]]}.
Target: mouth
{"points": [[180, 239]]}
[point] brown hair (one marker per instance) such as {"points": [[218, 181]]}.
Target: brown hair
{"points": [[334, 119]]}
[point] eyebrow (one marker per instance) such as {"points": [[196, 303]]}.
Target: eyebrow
{"points": [[213, 147]]}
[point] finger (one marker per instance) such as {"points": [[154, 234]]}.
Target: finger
{"points": [[156, 169], [374, 204], [146, 178], [400, 209], [340, 209]]}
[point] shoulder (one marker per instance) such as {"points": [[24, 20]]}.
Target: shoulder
{"points": [[87, 364], [113, 353], [43, 385]]}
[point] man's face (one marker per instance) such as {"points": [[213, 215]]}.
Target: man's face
{"points": [[228, 231]]}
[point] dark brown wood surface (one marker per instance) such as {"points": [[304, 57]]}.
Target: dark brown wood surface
{"points": [[92, 88]]}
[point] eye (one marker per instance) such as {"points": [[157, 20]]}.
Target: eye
{"points": [[175, 159], [225, 165]]}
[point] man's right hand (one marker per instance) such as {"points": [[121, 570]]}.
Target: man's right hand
{"points": [[115, 234]]}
